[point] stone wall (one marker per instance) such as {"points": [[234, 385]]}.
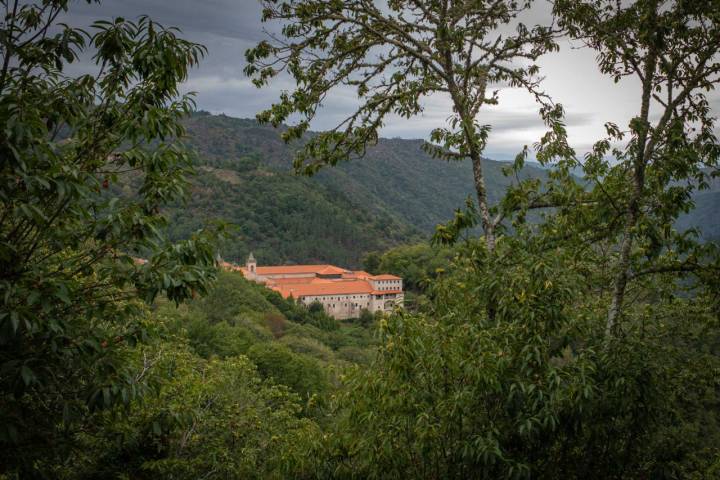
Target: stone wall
{"points": [[350, 305]]}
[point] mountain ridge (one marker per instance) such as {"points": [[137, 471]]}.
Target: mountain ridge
{"points": [[396, 194]]}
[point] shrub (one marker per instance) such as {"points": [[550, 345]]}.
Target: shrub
{"points": [[301, 373]]}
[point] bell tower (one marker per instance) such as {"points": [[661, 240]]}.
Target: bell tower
{"points": [[251, 264]]}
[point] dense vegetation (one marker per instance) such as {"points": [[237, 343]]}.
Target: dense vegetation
{"points": [[555, 349], [395, 195], [582, 344], [394, 176], [71, 293], [233, 378], [284, 219]]}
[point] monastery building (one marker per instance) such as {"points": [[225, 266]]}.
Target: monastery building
{"points": [[343, 293]]}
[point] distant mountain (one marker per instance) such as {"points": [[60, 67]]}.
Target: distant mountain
{"points": [[706, 214], [395, 194]]}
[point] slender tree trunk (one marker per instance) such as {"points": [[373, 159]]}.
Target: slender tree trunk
{"points": [[476, 158], [481, 192], [640, 160], [10, 32], [620, 282], [466, 114]]}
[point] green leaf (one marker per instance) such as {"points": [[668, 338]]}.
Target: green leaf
{"points": [[27, 375]]}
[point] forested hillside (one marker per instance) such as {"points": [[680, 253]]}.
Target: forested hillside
{"points": [[282, 218], [395, 195], [241, 356], [706, 214]]}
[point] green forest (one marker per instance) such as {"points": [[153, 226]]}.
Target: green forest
{"points": [[395, 195], [245, 177], [561, 318]]}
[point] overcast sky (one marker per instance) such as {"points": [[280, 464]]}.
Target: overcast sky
{"points": [[228, 27]]}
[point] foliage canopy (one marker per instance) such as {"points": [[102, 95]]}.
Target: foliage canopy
{"points": [[71, 287]]}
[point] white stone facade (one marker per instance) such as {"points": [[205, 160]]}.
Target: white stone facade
{"points": [[342, 293], [351, 305]]}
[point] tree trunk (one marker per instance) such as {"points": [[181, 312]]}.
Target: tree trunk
{"points": [[481, 192], [641, 158]]}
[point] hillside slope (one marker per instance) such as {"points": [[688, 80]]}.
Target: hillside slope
{"points": [[396, 194], [395, 176], [285, 219], [706, 214]]}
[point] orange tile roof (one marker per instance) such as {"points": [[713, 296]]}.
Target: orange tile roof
{"points": [[350, 282], [361, 274], [291, 281], [332, 270], [325, 288], [293, 269], [382, 292]]}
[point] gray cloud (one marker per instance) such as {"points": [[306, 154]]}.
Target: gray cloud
{"points": [[238, 19], [228, 27]]}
